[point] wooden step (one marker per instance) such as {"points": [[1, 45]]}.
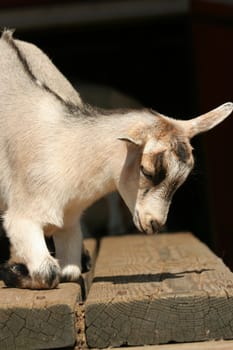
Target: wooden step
{"points": [[208, 345], [158, 289], [47, 319]]}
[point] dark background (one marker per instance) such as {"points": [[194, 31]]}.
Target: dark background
{"points": [[173, 56]]}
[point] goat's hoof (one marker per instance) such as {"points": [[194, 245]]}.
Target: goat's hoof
{"points": [[14, 275], [86, 260], [18, 276], [70, 273], [47, 276]]}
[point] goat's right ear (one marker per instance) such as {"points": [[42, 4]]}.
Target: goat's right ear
{"points": [[208, 120], [130, 140]]}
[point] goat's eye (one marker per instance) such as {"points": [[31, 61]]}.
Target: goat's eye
{"points": [[146, 173]]}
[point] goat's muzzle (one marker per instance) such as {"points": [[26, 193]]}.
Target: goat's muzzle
{"points": [[150, 227], [155, 225]]}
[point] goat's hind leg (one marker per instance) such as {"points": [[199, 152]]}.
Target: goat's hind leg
{"points": [[31, 265]]}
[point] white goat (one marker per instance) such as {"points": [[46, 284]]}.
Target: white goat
{"points": [[58, 156]]}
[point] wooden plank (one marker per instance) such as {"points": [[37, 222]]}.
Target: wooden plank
{"points": [[46, 319], [158, 289], [38, 319], [208, 345]]}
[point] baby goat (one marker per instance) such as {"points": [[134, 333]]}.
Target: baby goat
{"points": [[59, 155]]}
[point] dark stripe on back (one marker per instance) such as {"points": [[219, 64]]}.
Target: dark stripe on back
{"points": [[72, 108], [8, 38]]}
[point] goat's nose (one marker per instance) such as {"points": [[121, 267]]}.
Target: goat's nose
{"points": [[155, 226]]}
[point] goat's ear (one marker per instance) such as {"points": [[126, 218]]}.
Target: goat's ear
{"points": [[130, 140], [208, 120]]}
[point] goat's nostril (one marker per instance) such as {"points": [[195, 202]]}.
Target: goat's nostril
{"points": [[155, 226]]}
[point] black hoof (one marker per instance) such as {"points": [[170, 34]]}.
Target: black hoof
{"points": [[17, 276], [86, 260], [14, 275]]}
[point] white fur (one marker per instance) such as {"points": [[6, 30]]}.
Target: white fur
{"points": [[54, 165]]}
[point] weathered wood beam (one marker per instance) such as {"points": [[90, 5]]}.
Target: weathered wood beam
{"points": [[158, 289], [44, 319], [208, 345]]}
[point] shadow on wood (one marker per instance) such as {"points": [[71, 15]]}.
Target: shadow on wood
{"points": [[145, 278]]}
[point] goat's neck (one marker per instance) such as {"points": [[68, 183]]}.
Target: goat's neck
{"points": [[101, 156]]}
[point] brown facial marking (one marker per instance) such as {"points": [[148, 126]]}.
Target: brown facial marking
{"points": [[160, 170], [166, 129], [155, 169]]}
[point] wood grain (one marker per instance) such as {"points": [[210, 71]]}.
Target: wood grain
{"points": [[158, 289]]}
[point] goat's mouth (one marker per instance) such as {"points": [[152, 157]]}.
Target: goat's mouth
{"points": [[150, 228], [137, 222]]}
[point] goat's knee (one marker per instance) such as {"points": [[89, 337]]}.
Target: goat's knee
{"points": [[28, 249]]}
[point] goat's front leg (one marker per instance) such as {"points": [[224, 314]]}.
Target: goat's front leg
{"points": [[31, 265], [68, 247]]}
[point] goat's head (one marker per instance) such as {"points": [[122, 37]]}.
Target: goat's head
{"points": [[159, 160]]}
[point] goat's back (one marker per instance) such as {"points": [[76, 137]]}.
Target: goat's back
{"points": [[27, 75]]}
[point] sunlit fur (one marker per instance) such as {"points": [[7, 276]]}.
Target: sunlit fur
{"points": [[58, 156]]}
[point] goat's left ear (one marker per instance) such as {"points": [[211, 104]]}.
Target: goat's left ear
{"points": [[208, 120], [130, 140]]}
